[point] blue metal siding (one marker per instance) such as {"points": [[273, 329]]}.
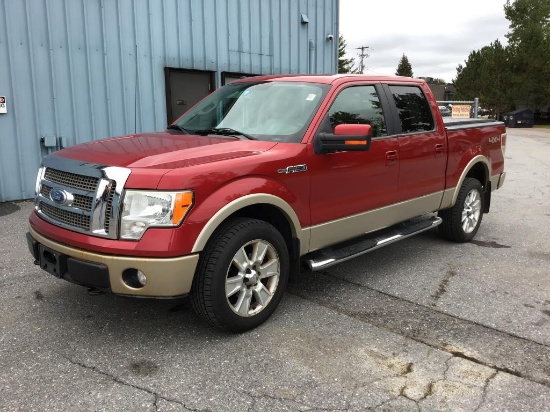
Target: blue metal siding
{"points": [[83, 70]]}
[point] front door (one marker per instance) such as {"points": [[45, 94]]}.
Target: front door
{"points": [[345, 185], [184, 89]]}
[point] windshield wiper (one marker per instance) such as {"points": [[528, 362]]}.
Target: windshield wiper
{"points": [[177, 127], [224, 131]]}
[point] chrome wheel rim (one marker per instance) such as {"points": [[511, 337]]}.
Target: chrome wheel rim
{"points": [[252, 278], [471, 211]]}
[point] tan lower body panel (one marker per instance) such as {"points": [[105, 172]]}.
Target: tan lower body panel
{"points": [[166, 277], [336, 231]]}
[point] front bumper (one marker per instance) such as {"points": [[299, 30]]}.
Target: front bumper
{"points": [[166, 277]]}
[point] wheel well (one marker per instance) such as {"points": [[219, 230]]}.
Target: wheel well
{"points": [[273, 215], [270, 214], [479, 172]]}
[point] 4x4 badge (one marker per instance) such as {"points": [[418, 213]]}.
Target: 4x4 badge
{"points": [[293, 169]]}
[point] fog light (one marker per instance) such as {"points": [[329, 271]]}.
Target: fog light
{"points": [[142, 279], [134, 278]]}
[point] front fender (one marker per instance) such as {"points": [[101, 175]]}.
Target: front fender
{"points": [[227, 200]]}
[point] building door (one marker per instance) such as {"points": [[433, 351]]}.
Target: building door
{"points": [[184, 88]]}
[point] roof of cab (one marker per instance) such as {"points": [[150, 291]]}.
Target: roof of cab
{"points": [[330, 79]]}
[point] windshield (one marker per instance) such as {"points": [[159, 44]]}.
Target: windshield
{"points": [[276, 111]]}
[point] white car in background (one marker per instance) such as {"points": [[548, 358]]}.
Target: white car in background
{"points": [[445, 111]]}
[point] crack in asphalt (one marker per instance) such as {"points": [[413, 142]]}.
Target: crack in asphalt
{"points": [[485, 389], [430, 387], [302, 407], [531, 359], [373, 408], [120, 381], [389, 295]]}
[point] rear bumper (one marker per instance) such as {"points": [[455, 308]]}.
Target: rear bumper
{"points": [[166, 277], [497, 181], [501, 180]]}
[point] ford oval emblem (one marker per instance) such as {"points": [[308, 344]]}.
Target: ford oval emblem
{"points": [[58, 196]]}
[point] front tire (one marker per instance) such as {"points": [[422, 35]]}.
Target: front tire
{"points": [[241, 276], [461, 222]]}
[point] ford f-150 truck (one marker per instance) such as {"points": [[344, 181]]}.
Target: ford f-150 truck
{"points": [[262, 177]]}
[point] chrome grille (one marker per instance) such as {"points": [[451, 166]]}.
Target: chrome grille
{"points": [[83, 202], [80, 201], [93, 195], [45, 191], [69, 218], [109, 207], [71, 179]]}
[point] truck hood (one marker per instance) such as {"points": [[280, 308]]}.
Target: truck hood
{"points": [[163, 150]]}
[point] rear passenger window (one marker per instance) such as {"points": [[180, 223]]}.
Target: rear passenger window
{"points": [[413, 108], [359, 105]]}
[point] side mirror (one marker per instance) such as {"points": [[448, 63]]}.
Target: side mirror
{"points": [[346, 138]]}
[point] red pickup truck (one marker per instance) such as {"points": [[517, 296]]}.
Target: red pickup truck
{"points": [[263, 176]]}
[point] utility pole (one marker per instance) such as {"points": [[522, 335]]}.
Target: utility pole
{"points": [[362, 56]]}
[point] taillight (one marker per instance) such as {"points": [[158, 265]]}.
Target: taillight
{"points": [[503, 143]]}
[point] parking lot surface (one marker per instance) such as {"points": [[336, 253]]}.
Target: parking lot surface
{"points": [[423, 324]]}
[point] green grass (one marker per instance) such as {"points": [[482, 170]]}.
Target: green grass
{"points": [[542, 126]]}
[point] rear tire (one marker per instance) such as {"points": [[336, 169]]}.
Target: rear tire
{"points": [[461, 222], [241, 276]]}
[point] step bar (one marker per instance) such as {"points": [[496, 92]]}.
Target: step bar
{"points": [[332, 255]]}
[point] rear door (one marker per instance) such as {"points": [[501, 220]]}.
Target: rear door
{"points": [[422, 147]]}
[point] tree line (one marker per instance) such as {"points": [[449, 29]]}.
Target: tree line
{"points": [[505, 77]]}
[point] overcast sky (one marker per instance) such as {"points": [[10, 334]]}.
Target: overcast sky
{"points": [[435, 35]]}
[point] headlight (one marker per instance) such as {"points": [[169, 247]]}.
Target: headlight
{"points": [[143, 209]]}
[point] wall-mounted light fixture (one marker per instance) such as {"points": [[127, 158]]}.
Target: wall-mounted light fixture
{"points": [[304, 19]]}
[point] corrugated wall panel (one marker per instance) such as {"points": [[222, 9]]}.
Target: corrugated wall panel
{"points": [[83, 70]]}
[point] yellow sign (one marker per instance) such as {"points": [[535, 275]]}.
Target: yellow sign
{"points": [[461, 111]]}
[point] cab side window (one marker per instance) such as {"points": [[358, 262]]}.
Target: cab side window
{"points": [[359, 105], [413, 108]]}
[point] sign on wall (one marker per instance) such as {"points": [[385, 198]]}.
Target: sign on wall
{"points": [[3, 105]]}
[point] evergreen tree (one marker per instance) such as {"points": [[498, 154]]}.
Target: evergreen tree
{"points": [[404, 68], [504, 77], [529, 48], [486, 74], [344, 65]]}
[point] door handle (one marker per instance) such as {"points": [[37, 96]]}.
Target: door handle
{"points": [[439, 149], [391, 157]]}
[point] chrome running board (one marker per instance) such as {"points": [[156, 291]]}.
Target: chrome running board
{"points": [[332, 255]]}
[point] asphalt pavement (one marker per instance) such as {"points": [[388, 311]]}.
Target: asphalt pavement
{"points": [[421, 325]]}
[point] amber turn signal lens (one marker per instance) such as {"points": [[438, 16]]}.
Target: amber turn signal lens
{"points": [[356, 142], [182, 204]]}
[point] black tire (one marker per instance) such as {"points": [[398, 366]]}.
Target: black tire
{"points": [[454, 227], [217, 267]]}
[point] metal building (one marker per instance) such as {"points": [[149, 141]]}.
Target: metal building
{"points": [[73, 71]]}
